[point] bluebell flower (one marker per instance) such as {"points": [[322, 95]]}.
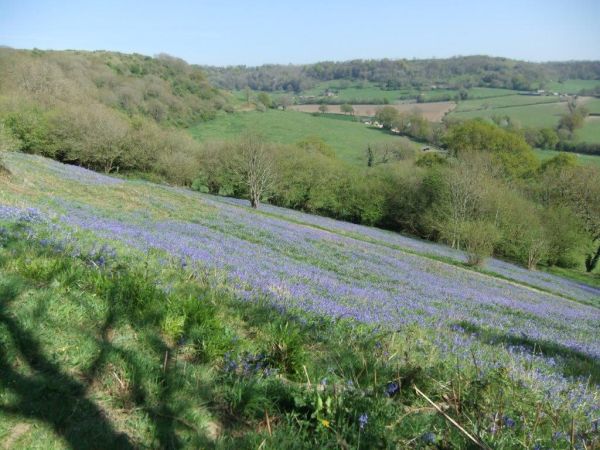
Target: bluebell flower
{"points": [[392, 389], [508, 422], [362, 420], [428, 438]]}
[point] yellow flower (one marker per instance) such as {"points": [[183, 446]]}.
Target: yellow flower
{"points": [[325, 423]]}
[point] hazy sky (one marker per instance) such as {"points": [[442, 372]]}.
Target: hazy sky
{"points": [[259, 31]]}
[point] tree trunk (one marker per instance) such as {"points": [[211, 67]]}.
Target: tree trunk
{"points": [[254, 202], [591, 260]]}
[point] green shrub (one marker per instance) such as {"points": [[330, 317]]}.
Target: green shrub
{"points": [[479, 238]]}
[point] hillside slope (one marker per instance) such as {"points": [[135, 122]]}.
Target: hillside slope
{"points": [[316, 263], [506, 317]]}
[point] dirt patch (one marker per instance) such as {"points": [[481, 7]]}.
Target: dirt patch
{"points": [[433, 112], [18, 430]]}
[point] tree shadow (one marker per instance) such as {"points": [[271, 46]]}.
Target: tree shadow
{"points": [[573, 363], [47, 393]]}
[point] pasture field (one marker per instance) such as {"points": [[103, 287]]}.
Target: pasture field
{"points": [[434, 111], [507, 101], [572, 86], [140, 315], [359, 92], [581, 158], [348, 138], [485, 92], [591, 104], [536, 115], [590, 132]]}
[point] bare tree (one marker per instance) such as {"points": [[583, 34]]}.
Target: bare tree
{"points": [[254, 165]]}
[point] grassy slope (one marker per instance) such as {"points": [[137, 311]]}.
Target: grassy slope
{"points": [[349, 139], [572, 86], [157, 354], [504, 102], [537, 115]]}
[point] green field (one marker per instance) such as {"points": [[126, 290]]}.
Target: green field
{"points": [[348, 138], [540, 115], [592, 105], [584, 160], [590, 132], [366, 91], [572, 86], [507, 101], [359, 92]]}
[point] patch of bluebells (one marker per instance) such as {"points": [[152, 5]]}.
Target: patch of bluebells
{"points": [[248, 364], [317, 265], [392, 388], [50, 237], [553, 283]]}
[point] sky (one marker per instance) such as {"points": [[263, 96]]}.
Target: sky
{"points": [[232, 32]]}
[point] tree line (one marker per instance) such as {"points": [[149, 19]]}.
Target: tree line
{"points": [[458, 72]]}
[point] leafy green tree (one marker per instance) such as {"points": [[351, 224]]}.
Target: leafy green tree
{"points": [[265, 99], [479, 238], [387, 116], [347, 109], [323, 108], [564, 233], [508, 149]]}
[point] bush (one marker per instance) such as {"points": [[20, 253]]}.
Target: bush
{"points": [[479, 238]]}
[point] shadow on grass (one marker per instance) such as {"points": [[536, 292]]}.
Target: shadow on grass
{"points": [[46, 392], [572, 362], [49, 394]]}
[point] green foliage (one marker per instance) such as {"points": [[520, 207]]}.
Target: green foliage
{"points": [[479, 238], [565, 237], [265, 100], [387, 116], [508, 149], [318, 144]]}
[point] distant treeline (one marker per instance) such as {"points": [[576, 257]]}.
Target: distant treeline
{"points": [[457, 72]]}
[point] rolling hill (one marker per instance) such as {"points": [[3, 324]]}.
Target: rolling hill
{"points": [[535, 332]]}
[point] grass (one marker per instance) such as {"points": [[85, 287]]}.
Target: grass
{"points": [[592, 279], [537, 115], [572, 86], [359, 92], [142, 366], [593, 105], [590, 132], [121, 346], [504, 102], [348, 138], [371, 92], [581, 158]]}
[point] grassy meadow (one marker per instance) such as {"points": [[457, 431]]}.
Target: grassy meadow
{"points": [[572, 86], [138, 315], [544, 114], [347, 137]]}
